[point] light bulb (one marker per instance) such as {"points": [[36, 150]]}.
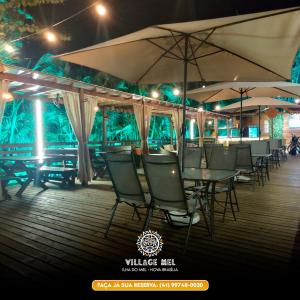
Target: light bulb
{"points": [[176, 92], [7, 96], [217, 107], [50, 36], [101, 10], [9, 48], [35, 76], [154, 94]]}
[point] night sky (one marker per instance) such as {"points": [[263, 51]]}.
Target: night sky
{"points": [[125, 16]]}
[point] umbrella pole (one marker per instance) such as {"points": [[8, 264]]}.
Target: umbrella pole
{"points": [[259, 122], [241, 116], [186, 39]]}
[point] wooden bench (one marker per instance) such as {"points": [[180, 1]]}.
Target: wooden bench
{"points": [[63, 175]]}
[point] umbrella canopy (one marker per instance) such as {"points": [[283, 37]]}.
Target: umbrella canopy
{"points": [[232, 90], [258, 103], [254, 103], [259, 46]]}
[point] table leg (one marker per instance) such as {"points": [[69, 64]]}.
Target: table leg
{"points": [[267, 169], [212, 210]]}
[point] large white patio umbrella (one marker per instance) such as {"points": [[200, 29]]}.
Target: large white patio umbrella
{"points": [[259, 46], [258, 103], [233, 90], [262, 102]]}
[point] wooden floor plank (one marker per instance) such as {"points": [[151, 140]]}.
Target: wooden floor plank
{"points": [[44, 235]]}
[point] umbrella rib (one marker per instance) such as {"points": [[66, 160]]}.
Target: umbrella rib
{"points": [[157, 60], [240, 56], [248, 20], [216, 93], [208, 54], [178, 46], [201, 44], [193, 55], [161, 47], [283, 90]]}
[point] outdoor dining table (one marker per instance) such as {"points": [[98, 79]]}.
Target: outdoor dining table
{"points": [[19, 164], [212, 177], [207, 176]]}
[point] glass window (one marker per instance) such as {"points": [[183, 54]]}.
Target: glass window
{"points": [[209, 127], [253, 132], [266, 126], [294, 121]]}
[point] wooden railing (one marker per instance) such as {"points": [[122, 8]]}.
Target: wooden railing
{"points": [[24, 149]]}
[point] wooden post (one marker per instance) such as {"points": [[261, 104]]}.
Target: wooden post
{"points": [[216, 128], [103, 126], [171, 130], [272, 127], [143, 137], [202, 128], [84, 139]]}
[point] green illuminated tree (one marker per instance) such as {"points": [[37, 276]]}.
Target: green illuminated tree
{"points": [[296, 68]]}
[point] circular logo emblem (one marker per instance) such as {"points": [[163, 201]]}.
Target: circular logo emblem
{"points": [[149, 243]]}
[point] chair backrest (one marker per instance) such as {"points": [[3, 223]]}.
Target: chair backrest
{"points": [[275, 144], [123, 175], [260, 147], [222, 159], [193, 157], [243, 156], [164, 180], [208, 148]]}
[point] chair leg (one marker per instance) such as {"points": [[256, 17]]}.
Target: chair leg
{"points": [[231, 204], [168, 217], [258, 178], [204, 215], [148, 218], [188, 233], [114, 208], [225, 208], [235, 198], [135, 211]]}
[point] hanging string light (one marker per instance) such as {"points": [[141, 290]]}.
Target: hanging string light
{"points": [[101, 10], [48, 32], [50, 36]]}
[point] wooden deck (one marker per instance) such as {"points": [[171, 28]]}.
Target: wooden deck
{"points": [[57, 235]]}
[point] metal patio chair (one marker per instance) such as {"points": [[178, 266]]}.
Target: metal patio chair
{"points": [[244, 163], [167, 191], [225, 159], [208, 148], [126, 183]]}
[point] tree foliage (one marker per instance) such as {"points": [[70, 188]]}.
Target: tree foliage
{"points": [[15, 22]]}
